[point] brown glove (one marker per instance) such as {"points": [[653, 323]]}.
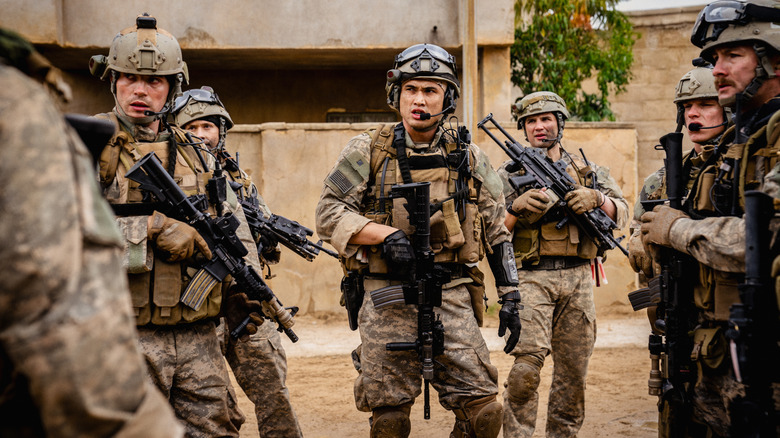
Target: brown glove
{"points": [[656, 225], [583, 199], [638, 258], [176, 238], [236, 308], [531, 201]]}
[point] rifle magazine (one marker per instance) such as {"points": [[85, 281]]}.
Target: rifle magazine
{"points": [[198, 289]]}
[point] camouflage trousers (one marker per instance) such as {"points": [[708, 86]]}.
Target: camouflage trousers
{"points": [[559, 318], [186, 364], [391, 378], [260, 367]]}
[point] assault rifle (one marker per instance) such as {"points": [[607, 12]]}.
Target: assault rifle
{"points": [[280, 229], [424, 287], [544, 174], [220, 235], [753, 326], [675, 312]]}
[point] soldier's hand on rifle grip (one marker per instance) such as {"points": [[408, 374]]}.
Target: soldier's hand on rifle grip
{"points": [[236, 307], [638, 258], [398, 251], [656, 225], [509, 318], [175, 238], [583, 199]]}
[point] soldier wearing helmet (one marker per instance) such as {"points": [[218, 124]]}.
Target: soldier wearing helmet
{"points": [[742, 41], [372, 234], [260, 363], [177, 337], [555, 265]]}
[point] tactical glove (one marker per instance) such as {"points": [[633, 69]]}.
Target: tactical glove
{"points": [[638, 258], [583, 199], [175, 238], [509, 318], [398, 252], [236, 308], [656, 225], [532, 201]]}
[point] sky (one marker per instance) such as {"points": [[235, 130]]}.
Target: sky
{"points": [[638, 5]]}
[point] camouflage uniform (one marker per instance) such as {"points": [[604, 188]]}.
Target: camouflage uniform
{"points": [[184, 342], [260, 363], [69, 359], [718, 244], [559, 317], [393, 378]]}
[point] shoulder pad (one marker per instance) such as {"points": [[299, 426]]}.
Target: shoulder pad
{"points": [[486, 174], [352, 169]]}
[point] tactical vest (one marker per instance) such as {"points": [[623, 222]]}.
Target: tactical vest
{"points": [[719, 289], [155, 285], [543, 238], [457, 237]]}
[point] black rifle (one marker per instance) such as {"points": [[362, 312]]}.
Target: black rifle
{"points": [[280, 229], [753, 326], [542, 173], [220, 235], [424, 287], [94, 133], [675, 312]]}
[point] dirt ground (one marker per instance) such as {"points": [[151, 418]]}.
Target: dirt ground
{"points": [[321, 376]]}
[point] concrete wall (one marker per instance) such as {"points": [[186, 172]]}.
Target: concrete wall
{"points": [[661, 56], [290, 161]]}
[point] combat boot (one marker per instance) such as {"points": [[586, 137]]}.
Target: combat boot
{"points": [[391, 422], [479, 418]]}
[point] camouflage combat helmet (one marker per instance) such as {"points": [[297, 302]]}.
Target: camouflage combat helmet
{"points": [[144, 50], [424, 61], [198, 104], [696, 84], [754, 22], [541, 102]]}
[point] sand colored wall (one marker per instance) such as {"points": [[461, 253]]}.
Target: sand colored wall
{"points": [[290, 161]]}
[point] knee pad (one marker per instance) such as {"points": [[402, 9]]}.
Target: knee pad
{"points": [[522, 382], [391, 422], [479, 418]]}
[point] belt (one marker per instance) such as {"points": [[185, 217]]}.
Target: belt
{"points": [[549, 263]]}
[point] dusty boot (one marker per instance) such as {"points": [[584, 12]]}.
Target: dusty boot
{"points": [[391, 422], [480, 418]]}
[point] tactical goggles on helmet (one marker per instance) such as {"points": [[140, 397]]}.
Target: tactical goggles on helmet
{"points": [[717, 16], [205, 95], [425, 51]]}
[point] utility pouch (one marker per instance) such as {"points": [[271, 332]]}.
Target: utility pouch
{"points": [[709, 348], [473, 249], [352, 293], [477, 292]]}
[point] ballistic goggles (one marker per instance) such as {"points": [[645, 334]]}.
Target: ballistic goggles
{"points": [[420, 52], [204, 94]]}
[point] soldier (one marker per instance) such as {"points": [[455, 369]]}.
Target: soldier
{"points": [[259, 364], [370, 233], [70, 359], [743, 42], [554, 263], [145, 69], [698, 110]]}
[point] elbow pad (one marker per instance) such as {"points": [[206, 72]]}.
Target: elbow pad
{"points": [[502, 263]]}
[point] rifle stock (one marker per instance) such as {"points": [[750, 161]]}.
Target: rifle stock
{"points": [[219, 234]]}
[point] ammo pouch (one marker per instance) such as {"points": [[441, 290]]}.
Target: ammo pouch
{"points": [[716, 292], [709, 348]]}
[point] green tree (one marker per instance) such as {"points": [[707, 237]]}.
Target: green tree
{"points": [[560, 43]]}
